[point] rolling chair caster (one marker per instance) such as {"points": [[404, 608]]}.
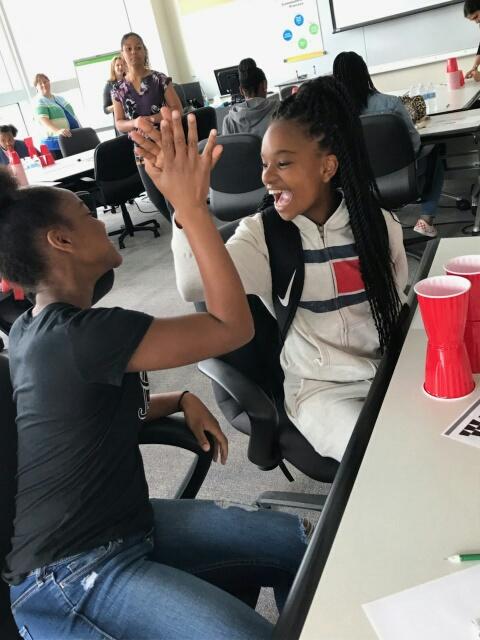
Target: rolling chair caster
{"points": [[462, 204]]}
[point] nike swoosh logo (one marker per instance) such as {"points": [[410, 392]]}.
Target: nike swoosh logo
{"points": [[284, 301]]}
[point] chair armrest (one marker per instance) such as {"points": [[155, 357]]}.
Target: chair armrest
{"points": [[173, 431], [263, 447], [253, 400]]}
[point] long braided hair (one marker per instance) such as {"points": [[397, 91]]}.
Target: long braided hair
{"points": [[351, 69], [323, 109]]}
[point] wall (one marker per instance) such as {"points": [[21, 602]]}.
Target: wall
{"points": [[404, 38]]}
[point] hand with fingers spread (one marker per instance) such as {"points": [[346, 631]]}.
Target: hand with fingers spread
{"points": [[176, 167], [201, 421]]}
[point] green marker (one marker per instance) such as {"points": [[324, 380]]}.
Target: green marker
{"points": [[465, 557]]}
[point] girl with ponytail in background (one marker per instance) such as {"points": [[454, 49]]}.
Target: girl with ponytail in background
{"points": [[354, 263], [255, 114]]}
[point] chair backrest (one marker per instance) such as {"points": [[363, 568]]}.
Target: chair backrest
{"points": [[179, 90], [8, 467], [392, 159], [193, 94], [82, 139], [206, 121], [236, 186], [116, 172]]}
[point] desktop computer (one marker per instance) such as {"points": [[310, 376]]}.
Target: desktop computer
{"points": [[229, 83]]}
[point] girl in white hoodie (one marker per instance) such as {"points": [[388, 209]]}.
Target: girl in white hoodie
{"points": [[316, 170]]}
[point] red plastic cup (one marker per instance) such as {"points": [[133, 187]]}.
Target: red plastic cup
{"points": [[452, 65], [453, 80], [469, 267], [43, 160], [443, 302], [462, 78]]}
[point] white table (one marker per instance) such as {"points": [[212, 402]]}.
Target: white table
{"points": [[451, 124], [447, 100], [414, 501], [63, 169]]}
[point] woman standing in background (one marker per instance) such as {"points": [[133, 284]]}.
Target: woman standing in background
{"points": [[141, 94], [117, 73], [54, 114]]}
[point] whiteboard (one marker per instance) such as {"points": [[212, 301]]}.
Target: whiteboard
{"points": [[347, 14], [92, 74]]}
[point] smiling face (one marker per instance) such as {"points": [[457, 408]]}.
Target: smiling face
{"points": [[297, 172], [133, 52], [43, 86]]}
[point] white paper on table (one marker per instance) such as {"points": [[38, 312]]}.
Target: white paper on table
{"points": [[442, 609], [466, 428]]}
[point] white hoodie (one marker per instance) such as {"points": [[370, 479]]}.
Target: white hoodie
{"points": [[333, 337]]}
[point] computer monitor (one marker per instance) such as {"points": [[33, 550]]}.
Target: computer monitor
{"points": [[228, 81]]}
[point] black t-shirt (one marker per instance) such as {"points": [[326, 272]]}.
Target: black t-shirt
{"points": [[80, 478]]}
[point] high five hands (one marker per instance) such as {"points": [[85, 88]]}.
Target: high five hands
{"points": [[174, 164]]}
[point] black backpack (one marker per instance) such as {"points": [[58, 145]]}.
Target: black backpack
{"points": [[287, 266]]}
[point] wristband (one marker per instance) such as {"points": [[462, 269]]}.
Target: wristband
{"points": [[179, 405]]}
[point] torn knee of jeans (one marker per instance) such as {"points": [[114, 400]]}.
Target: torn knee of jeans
{"points": [[306, 529], [226, 504], [89, 581]]}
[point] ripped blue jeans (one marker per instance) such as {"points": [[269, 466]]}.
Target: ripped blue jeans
{"points": [[196, 575]]}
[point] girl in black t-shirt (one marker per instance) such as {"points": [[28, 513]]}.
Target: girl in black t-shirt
{"points": [[91, 555]]}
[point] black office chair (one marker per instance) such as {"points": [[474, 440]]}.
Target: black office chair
{"points": [[118, 180], [247, 384], [401, 175], [236, 186], [206, 118], [82, 139], [179, 90], [193, 94], [170, 431]]}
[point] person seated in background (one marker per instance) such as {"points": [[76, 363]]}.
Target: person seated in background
{"points": [[351, 70], [54, 114], [8, 143], [117, 73], [255, 114]]}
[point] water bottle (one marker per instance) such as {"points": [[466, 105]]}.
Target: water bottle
{"points": [[431, 93]]}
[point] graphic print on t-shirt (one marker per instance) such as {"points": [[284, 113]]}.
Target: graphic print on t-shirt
{"points": [[142, 412]]}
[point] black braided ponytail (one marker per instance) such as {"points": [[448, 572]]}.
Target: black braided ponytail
{"points": [[351, 69], [323, 109]]}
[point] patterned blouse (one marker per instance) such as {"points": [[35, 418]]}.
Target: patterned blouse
{"points": [[147, 101]]}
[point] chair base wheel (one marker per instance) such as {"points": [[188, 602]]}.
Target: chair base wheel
{"points": [[463, 204]]}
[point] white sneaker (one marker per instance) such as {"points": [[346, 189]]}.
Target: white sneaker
{"points": [[425, 229]]}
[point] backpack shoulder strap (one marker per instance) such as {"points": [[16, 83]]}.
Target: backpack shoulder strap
{"points": [[285, 252]]}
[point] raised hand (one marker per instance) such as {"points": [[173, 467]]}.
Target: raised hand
{"points": [[176, 167]]}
